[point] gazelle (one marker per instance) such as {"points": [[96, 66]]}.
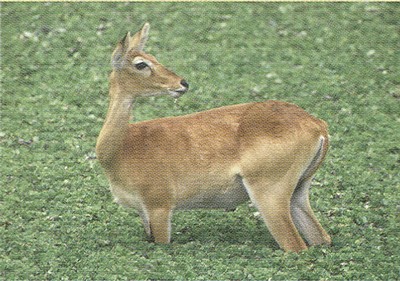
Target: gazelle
{"points": [[265, 151]]}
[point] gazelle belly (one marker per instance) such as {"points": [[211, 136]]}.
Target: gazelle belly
{"points": [[215, 195]]}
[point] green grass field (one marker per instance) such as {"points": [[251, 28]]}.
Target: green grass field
{"points": [[339, 61]]}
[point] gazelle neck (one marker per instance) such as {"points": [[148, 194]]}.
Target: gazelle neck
{"points": [[112, 134]]}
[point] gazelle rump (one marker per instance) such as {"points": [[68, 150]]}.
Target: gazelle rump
{"points": [[264, 151]]}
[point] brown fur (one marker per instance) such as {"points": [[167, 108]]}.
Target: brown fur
{"points": [[219, 158]]}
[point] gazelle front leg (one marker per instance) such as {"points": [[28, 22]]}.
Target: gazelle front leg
{"points": [[160, 224], [146, 224], [273, 204]]}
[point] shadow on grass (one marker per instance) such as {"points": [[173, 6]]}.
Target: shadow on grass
{"points": [[215, 226], [201, 227]]}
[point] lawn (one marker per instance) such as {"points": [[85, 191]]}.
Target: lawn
{"points": [[339, 61]]}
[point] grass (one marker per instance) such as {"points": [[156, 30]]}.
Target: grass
{"points": [[339, 61]]}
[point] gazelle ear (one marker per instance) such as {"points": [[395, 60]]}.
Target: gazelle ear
{"points": [[120, 51], [128, 43], [138, 40]]}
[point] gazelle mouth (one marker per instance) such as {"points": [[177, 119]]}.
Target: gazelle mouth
{"points": [[177, 93]]}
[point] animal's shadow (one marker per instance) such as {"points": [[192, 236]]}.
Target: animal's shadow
{"points": [[216, 226]]}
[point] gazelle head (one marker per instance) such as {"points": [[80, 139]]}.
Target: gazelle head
{"points": [[139, 74]]}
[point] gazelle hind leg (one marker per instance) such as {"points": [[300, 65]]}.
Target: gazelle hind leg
{"points": [[303, 215], [304, 218], [274, 208]]}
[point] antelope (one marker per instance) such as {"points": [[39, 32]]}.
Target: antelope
{"points": [[266, 151]]}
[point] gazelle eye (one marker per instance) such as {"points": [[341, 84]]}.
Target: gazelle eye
{"points": [[141, 65]]}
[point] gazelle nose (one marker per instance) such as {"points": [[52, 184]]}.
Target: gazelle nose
{"points": [[184, 84]]}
